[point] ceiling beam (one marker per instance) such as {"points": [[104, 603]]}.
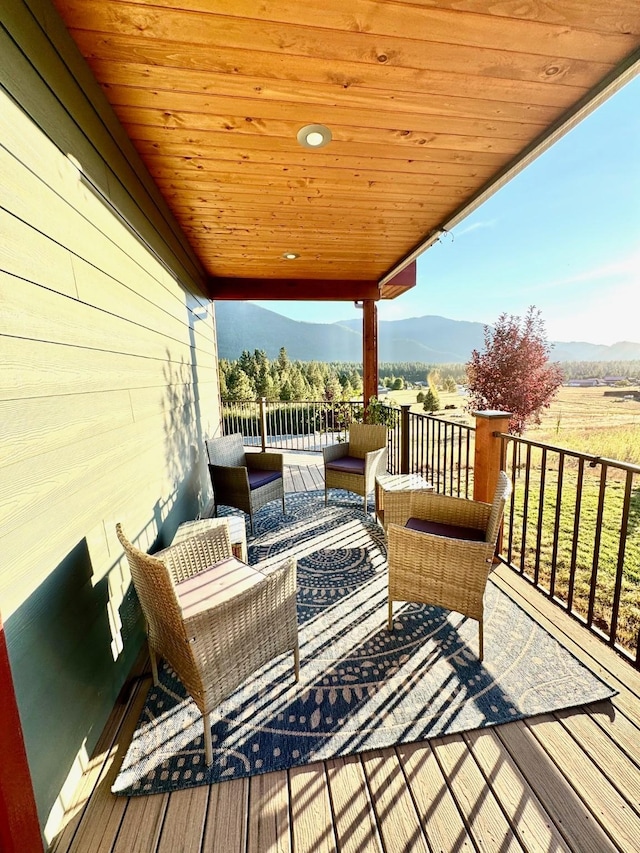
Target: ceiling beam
{"points": [[291, 289], [404, 280]]}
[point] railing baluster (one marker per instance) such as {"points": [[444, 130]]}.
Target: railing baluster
{"points": [[596, 545], [556, 527], [525, 513], [513, 503], [541, 487], [576, 535], [624, 527]]}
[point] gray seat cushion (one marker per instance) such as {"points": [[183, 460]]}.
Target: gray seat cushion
{"points": [[261, 478], [347, 465]]}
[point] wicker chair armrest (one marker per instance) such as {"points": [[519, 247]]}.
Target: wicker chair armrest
{"points": [[288, 566], [265, 461], [397, 507], [442, 508], [198, 552], [375, 462], [335, 451], [229, 477]]}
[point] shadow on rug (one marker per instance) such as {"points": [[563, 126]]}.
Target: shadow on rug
{"points": [[361, 687]]}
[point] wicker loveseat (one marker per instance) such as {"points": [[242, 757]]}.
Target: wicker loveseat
{"points": [[440, 549], [246, 481], [214, 619], [354, 465]]}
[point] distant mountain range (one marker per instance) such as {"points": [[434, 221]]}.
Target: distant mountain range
{"points": [[430, 339]]}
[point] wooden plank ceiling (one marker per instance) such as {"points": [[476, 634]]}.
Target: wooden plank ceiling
{"points": [[431, 105]]}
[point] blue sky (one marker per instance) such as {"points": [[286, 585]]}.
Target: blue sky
{"points": [[564, 235]]}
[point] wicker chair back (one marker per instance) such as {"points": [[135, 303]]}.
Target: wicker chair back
{"points": [[364, 438], [227, 450]]}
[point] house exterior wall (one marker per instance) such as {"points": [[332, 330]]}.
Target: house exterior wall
{"points": [[108, 389]]}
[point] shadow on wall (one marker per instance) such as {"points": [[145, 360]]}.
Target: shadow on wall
{"points": [[63, 668]]}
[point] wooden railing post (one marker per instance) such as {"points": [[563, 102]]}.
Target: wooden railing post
{"points": [[263, 422], [404, 439], [488, 453]]}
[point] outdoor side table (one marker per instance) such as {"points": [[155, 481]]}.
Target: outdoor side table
{"points": [[236, 529], [397, 483]]}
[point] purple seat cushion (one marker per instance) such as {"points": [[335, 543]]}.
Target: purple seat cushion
{"points": [[261, 478], [347, 465], [438, 528]]}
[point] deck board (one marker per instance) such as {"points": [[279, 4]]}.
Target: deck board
{"points": [[488, 825], [568, 781], [355, 824]]}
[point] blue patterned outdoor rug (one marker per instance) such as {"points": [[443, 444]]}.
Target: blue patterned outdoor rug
{"points": [[361, 687]]}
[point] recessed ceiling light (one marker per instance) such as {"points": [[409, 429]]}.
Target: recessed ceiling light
{"points": [[314, 136], [290, 256]]}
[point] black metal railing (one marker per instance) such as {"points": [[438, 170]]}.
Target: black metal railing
{"points": [[573, 530], [442, 451], [438, 449], [307, 425]]}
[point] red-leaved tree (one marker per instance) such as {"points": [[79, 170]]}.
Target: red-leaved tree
{"points": [[514, 373]]}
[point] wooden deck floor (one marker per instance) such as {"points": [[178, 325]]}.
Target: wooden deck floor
{"points": [[563, 781]]}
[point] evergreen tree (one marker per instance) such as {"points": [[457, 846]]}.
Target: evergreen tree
{"points": [[239, 386], [431, 401]]}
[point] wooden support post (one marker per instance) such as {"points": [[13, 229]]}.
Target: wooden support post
{"points": [[488, 453], [488, 458], [19, 825], [369, 350], [404, 439]]}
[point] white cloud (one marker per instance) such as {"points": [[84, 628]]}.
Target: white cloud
{"points": [[486, 223]]}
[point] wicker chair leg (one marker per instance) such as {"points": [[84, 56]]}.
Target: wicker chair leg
{"points": [[154, 666], [284, 512], [296, 661], [390, 618], [208, 745], [326, 496], [480, 640]]}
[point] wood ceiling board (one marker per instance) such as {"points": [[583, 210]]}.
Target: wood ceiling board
{"points": [[430, 104], [382, 19], [170, 168], [388, 80], [479, 40], [451, 103], [380, 139], [230, 147], [189, 153]]}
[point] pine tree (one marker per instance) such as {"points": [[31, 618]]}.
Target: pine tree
{"points": [[431, 401]]}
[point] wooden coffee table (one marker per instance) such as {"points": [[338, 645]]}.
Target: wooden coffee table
{"points": [[397, 483]]}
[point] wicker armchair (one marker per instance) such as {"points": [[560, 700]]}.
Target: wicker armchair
{"points": [[440, 549], [214, 619], [246, 481], [354, 465]]}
